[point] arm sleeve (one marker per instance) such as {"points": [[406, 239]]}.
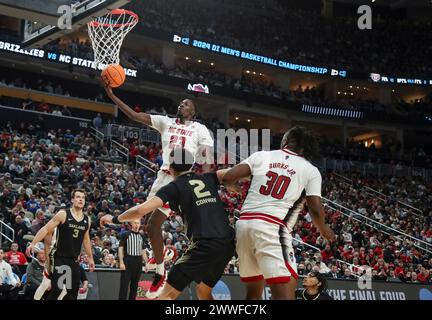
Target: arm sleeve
{"points": [[168, 193], [313, 185], [253, 161], [205, 138], [158, 122]]}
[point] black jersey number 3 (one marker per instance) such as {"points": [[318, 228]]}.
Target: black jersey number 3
{"points": [[276, 185], [75, 233]]}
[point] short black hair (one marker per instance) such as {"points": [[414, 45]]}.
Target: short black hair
{"points": [[181, 160], [321, 278], [301, 138]]}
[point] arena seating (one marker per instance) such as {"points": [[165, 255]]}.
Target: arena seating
{"points": [[80, 160]]}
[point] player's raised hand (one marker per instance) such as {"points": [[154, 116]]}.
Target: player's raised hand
{"points": [[107, 88], [91, 265], [235, 188], [107, 219], [30, 250]]}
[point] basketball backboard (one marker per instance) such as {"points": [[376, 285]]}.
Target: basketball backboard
{"points": [[44, 21]]}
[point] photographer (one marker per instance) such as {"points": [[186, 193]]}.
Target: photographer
{"points": [[310, 261]]}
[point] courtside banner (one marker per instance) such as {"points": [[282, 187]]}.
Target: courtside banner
{"points": [[107, 283]]}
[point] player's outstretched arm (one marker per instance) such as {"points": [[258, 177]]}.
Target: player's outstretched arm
{"points": [[231, 187], [131, 114], [233, 175], [47, 248], [134, 213], [316, 211], [48, 229]]}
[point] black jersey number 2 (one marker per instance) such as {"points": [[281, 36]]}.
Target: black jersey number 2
{"points": [[199, 187], [276, 185]]}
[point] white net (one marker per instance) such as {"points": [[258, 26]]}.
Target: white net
{"points": [[107, 33]]}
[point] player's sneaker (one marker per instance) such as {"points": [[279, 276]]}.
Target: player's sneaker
{"points": [[169, 254], [157, 285]]}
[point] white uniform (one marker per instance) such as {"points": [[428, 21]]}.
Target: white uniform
{"points": [[189, 136], [281, 180]]}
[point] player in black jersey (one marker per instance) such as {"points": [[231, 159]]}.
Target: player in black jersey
{"points": [[212, 238], [72, 232]]}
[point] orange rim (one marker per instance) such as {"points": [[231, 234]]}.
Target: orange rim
{"points": [[117, 25]]}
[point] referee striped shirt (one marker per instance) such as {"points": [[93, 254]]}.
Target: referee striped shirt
{"points": [[133, 243]]}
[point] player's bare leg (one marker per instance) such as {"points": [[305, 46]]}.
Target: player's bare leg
{"points": [[284, 291], [155, 234], [204, 292], [254, 290]]}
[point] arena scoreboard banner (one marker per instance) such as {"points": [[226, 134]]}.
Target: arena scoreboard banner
{"points": [[106, 284], [220, 49], [56, 57], [89, 64], [379, 78], [244, 55]]}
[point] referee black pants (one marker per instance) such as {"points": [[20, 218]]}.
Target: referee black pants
{"points": [[130, 277]]}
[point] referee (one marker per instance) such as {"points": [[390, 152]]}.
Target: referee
{"points": [[131, 255]]}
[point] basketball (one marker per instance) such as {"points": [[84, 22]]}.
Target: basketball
{"points": [[114, 75]]}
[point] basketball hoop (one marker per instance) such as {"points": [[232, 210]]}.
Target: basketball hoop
{"points": [[107, 34]]}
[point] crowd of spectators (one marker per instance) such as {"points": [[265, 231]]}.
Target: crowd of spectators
{"points": [[345, 47], [249, 83], [361, 240], [246, 83], [292, 34], [40, 168], [388, 153]]}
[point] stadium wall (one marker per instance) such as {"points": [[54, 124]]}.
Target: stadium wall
{"points": [[49, 121], [106, 284]]}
